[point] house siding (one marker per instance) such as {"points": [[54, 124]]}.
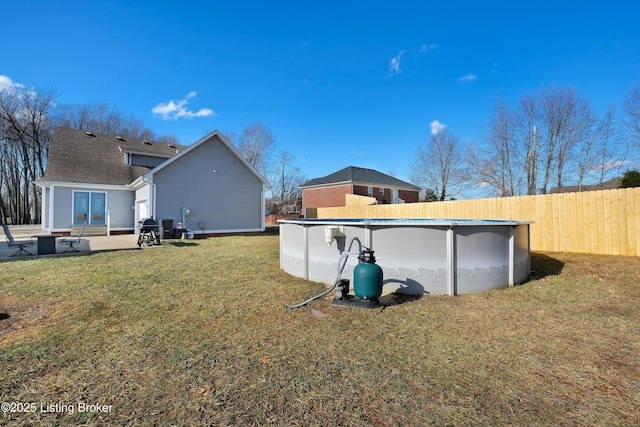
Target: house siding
{"points": [[147, 161], [330, 196], [46, 204], [119, 204], [362, 190], [409, 196], [63, 202], [142, 203], [229, 199], [333, 196], [142, 193]]}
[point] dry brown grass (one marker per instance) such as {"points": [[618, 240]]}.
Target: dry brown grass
{"points": [[200, 337]]}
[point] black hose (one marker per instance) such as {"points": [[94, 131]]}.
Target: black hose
{"points": [[343, 259]]}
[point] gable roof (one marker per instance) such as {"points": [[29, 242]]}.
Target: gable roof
{"points": [[356, 175], [94, 158], [611, 184], [202, 140]]}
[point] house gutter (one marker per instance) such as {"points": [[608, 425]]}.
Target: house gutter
{"points": [[263, 211], [152, 195], [265, 187], [46, 209]]}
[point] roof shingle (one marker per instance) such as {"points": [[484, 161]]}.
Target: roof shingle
{"points": [[79, 156], [358, 175]]}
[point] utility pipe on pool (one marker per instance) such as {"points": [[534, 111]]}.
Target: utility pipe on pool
{"points": [[342, 262]]}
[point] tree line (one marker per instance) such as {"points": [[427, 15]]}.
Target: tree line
{"points": [[545, 142], [27, 119], [257, 145]]}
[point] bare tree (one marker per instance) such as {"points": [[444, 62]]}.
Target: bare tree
{"points": [[27, 118], [256, 144], [101, 118], [565, 122], [495, 163], [598, 153], [526, 136], [230, 136], [286, 179], [553, 137], [631, 106], [439, 165], [25, 135]]}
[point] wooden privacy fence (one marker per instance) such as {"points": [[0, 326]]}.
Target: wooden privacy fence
{"points": [[598, 222]]}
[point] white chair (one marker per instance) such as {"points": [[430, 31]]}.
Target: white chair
{"points": [[71, 242], [21, 244]]}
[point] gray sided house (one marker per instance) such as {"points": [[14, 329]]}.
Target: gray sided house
{"points": [[111, 183]]}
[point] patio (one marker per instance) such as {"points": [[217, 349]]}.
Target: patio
{"points": [[87, 244]]}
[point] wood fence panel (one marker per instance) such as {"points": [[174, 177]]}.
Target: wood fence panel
{"points": [[600, 222], [535, 232], [608, 226], [599, 219], [622, 221], [588, 222], [635, 213], [560, 235], [577, 222]]}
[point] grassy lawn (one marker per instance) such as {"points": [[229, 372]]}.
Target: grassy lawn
{"points": [[195, 333]]}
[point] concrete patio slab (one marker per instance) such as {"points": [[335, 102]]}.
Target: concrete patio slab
{"points": [[87, 244]]}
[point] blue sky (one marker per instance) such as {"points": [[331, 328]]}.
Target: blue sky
{"points": [[339, 83]]}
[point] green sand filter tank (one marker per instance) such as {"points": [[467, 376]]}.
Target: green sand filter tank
{"points": [[367, 277]]}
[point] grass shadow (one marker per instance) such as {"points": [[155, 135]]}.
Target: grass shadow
{"points": [[397, 299], [182, 244], [543, 266], [271, 230]]}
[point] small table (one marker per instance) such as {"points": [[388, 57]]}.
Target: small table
{"points": [[46, 244]]}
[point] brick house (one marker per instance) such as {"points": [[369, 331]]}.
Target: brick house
{"points": [[330, 190]]}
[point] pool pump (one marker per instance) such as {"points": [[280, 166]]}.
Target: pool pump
{"points": [[367, 284], [367, 281]]}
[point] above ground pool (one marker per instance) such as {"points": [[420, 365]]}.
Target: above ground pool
{"points": [[432, 256]]}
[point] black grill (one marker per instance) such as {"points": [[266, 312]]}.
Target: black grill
{"points": [[148, 232]]}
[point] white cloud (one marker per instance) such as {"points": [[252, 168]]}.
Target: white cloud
{"points": [[611, 165], [428, 47], [176, 109], [394, 64], [7, 84], [436, 127], [468, 78]]}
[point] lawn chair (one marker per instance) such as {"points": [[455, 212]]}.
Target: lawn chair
{"points": [[21, 244], [72, 241]]}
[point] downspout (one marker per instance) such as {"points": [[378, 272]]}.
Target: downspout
{"points": [[512, 258], [265, 187], [452, 276], [152, 196], [44, 210], [153, 200], [50, 207], [263, 211]]}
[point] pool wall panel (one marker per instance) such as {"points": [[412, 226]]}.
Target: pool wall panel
{"points": [[416, 257]]}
